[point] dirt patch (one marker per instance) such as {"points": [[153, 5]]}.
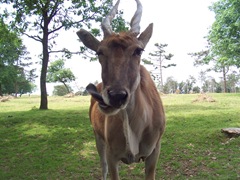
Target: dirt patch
{"points": [[204, 98], [5, 98], [70, 95]]}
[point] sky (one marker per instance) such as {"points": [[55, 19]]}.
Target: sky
{"points": [[180, 24]]}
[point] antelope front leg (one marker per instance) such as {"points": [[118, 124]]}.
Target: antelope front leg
{"points": [[112, 167], [151, 162], [101, 147]]}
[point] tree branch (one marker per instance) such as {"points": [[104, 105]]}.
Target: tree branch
{"points": [[63, 51], [36, 38], [54, 11], [60, 27]]}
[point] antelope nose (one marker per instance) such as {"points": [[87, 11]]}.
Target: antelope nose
{"points": [[117, 98]]}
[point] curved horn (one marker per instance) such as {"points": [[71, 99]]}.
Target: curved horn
{"points": [[135, 27], [106, 23]]}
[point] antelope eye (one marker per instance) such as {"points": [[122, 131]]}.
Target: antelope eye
{"points": [[99, 53], [138, 52]]}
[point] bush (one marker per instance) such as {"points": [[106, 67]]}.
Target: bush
{"points": [[61, 90]]}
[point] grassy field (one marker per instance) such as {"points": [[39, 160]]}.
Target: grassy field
{"points": [[59, 143]]}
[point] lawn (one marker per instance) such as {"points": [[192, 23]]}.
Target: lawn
{"points": [[59, 143]]}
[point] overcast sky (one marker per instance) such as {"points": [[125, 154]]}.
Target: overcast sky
{"points": [[180, 24]]}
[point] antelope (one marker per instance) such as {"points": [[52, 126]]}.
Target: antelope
{"points": [[126, 111]]}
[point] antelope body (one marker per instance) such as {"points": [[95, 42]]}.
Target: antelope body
{"points": [[126, 111]]}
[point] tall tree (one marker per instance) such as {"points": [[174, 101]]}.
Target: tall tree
{"points": [[202, 77], [223, 39], [181, 87], [159, 60], [13, 62], [233, 80], [205, 57], [42, 20], [188, 87], [58, 73], [61, 90], [170, 86], [209, 85], [224, 34]]}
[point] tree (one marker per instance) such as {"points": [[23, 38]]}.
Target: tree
{"points": [[224, 34], [158, 59], [196, 89], [209, 85], [58, 73], [202, 77], [14, 76], [170, 86], [205, 57], [10, 50], [233, 79], [42, 20], [61, 90], [188, 86], [223, 39], [181, 87]]}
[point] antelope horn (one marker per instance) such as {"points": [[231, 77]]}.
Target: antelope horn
{"points": [[135, 27], [106, 23]]}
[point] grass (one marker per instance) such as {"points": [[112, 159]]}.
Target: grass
{"points": [[59, 143]]}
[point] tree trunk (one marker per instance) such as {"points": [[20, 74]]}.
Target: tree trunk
{"points": [[1, 94], [224, 80], [161, 76], [66, 87], [44, 101], [16, 88]]}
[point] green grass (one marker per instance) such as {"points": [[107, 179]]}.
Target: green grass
{"points": [[59, 143]]}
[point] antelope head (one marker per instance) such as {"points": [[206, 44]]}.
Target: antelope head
{"points": [[119, 56]]}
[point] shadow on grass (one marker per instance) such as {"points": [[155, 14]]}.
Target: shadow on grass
{"points": [[48, 144], [194, 147], [59, 144]]}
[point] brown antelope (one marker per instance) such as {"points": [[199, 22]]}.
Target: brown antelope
{"points": [[126, 111]]}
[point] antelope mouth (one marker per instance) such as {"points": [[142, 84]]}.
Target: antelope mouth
{"points": [[110, 107], [91, 88]]}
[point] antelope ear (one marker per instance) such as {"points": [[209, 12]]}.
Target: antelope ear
{"points": [[146, 35], [88, 39]]}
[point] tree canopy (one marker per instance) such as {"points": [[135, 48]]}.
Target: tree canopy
{"points": [[223, 49], [14, 78], [42, 21], [58, 73], [224, 34], [158, 59]]}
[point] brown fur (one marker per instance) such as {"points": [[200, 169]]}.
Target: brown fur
{"points": [[147, 98], [128, 119]]}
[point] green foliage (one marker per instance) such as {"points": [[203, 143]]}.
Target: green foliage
{"points": [[119, 24], [189, 84], [58, 73], [206, 57], [223, 50], [170, 86], [209, 84], [14, 78], [11, 47], [61, 90], [42, 20], [59, 143], [158, 60], [233, 82], [196, 89], [224, 34]]}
